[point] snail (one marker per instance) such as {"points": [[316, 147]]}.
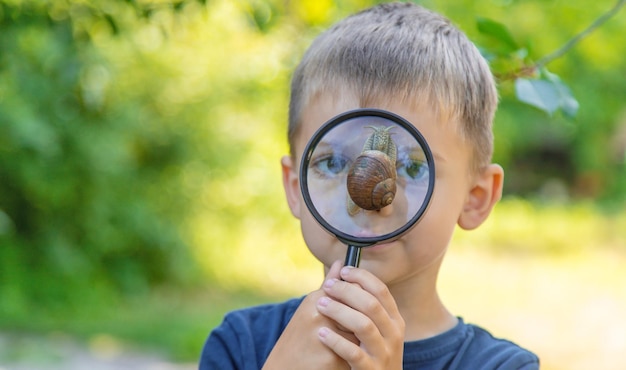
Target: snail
{"points": [[372, 177]]}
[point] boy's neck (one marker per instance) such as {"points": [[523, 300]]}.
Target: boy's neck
{"points": [[424, 313]]}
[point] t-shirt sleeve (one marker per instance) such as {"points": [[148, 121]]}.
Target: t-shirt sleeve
{"points": [[487, 352], [521, 360], [246, 337], [223, 350]]}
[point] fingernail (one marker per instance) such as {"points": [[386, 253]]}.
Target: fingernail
{"points": [[323, 301], [323, 332], [329, 283], [345, 271]]}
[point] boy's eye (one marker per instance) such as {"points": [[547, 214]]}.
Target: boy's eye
{"points": [[413, 169], [330, 165]]}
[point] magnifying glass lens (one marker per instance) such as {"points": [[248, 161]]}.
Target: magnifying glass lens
{"points": [[367, 176]]}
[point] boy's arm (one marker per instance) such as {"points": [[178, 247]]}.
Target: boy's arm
{"points": [[299, 346]]}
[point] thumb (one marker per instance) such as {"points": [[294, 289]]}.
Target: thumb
{"points": [[335, 268]]}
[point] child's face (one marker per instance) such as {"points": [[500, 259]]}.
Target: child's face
{"points": [[419, 250]]}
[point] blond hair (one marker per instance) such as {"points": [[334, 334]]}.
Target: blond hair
{"points": [[401, 51]]}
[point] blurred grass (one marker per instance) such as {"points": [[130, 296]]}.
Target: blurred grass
{"points": [[169, 322], [549, 277], [522, 226]]}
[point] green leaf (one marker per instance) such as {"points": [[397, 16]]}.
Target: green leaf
{"points": [[538, 93], [568, 103], [549, 95], [498, 31]]}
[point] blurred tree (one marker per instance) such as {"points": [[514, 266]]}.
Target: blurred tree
{"points": [[87, 177], [133, 131], [549, 58], [549, 163]]}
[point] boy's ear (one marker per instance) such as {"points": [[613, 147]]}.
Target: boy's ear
{"points": [[291, 183], [483, 196]]}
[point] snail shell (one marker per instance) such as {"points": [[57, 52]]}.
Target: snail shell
{"points": [[372, 180]]}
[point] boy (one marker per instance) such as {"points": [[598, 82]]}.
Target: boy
{"points": [[386, 314]]}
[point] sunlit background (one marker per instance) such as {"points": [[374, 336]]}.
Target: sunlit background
{"points": [[141, 195]]}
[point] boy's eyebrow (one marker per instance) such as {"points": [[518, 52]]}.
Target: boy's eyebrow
{"points": [[333, 144], [338, 145], [328, 145]]}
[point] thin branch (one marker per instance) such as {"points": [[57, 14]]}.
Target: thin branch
{"points": [[529, 70], [576, 39]]}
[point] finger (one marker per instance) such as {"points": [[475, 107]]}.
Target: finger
{"points": [[334, 270], [365, 293], [348, 351], [353, 321], [361, 301], [371, 284]]}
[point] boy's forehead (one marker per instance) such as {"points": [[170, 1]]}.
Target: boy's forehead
{"points": [[442, 135], [323, 107], [318, 111]]}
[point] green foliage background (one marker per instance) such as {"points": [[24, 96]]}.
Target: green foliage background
{"points": [[140, 140]]}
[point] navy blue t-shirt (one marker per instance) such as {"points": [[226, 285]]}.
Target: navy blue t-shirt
{"points": [[246, 337]]}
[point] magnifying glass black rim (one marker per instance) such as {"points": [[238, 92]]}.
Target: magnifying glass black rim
{"points": [[312, 144]]}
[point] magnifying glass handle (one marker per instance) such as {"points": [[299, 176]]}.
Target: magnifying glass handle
{"points": [[353, 256]]}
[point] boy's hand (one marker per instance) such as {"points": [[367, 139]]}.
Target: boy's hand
{"points": [[299, 346], [363, 305]]}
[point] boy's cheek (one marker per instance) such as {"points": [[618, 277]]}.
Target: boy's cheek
{"points": [[324, 247]]}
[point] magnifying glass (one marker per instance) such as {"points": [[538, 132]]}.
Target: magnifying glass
{"points": [[367, 176]]}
